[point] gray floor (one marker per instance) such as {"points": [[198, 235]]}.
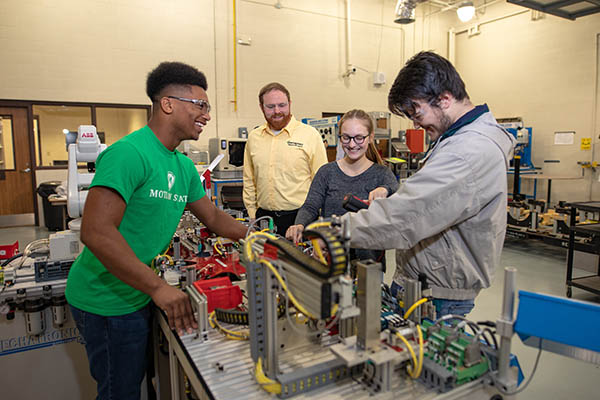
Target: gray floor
{"points": [[541, 268]]}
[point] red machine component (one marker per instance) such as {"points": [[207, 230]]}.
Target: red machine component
{"points": [[220, 293], [415, 140], [8, 251], [270, 251], [219, 265]]}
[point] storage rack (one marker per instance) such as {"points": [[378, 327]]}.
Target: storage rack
{"points": [[591, 283]]}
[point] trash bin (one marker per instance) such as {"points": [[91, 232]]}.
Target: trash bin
{"points": [[53, 215]]}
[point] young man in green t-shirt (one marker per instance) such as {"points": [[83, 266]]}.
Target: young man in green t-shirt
{"points": [[140, 189]]}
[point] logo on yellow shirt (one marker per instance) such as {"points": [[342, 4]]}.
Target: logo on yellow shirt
{"points": [[295, 144]]}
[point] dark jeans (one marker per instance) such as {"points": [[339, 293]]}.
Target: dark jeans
{"points": [[282, 219], [116, 350]]}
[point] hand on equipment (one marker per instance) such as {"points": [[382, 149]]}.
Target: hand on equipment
{"points": [[176, 305], [294, 233]]}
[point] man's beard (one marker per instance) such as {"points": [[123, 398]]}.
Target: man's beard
{"points": [[445, 123], [280, 124]]}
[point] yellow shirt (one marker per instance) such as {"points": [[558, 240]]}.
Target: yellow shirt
{"points": [[278, 169]]}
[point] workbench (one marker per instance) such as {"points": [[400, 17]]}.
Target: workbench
{"points": [[219, 368], [549, 178]]}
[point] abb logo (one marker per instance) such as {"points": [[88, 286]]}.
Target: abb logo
{"points": [[87, 134]]}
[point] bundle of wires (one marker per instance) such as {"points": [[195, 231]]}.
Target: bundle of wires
{"points": [[37, 246], [229, 334], [159, 257], [480, 333], [315, 242], [414, 371], [267, 384], [250, 226]]}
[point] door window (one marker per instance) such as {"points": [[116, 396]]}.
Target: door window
{"points": [[7, 153], [54, 123]]}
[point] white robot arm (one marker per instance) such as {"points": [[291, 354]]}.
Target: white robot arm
{"points": [[86, 149]]}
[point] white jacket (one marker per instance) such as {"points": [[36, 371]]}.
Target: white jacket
{"points": [[449, 219]]}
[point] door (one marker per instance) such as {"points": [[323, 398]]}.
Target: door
{"points": [[16, 171]]}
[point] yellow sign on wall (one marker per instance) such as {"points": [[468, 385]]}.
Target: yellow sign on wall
{"points": [[586, 143]]}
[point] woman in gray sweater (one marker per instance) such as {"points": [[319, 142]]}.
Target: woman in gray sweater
{"points": [[361, 172]]}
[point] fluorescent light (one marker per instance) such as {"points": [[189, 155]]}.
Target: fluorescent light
{"points": [[466, 11]]}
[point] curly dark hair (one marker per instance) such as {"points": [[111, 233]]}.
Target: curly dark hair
{"points": [[173, 73], [424, 77]]}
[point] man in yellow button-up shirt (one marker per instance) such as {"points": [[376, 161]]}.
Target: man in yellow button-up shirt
{"points": [[281, 158]]}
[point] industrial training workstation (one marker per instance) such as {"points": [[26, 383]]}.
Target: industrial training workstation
{"points": [[424, 245]]}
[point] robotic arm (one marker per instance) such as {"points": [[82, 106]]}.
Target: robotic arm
{"points": [[86, 149]]}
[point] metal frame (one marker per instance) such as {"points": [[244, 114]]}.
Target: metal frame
{"points": [[591, 283], [561, 8]]}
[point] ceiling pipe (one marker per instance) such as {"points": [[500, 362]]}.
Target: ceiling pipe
{"points": [[349, 67]]}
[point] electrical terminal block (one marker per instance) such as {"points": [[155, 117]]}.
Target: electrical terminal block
{"points": [[452, 357]]}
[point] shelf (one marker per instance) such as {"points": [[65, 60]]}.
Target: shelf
{"points": [[591, 206], [587, 228], [590, 283]]}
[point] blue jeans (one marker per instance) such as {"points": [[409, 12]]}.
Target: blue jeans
{"points": [[443, 306], [116, 350], [456, 307]]}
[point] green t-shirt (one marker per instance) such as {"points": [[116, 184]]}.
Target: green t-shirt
{"points": [[156, 185]]}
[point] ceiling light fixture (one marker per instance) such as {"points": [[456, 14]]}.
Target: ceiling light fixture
{"points": [[466, 11]]}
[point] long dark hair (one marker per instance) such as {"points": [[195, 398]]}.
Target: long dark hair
{"points": [[372, 153]]}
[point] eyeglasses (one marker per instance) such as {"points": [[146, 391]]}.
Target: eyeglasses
{"points": [[201, 104], [416, 117], [358, 139], [272, 106]]}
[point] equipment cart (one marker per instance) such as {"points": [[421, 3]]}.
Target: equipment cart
{"points": [[591, 283]]}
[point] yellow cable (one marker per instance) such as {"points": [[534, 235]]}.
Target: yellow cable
{"points": [[414, 306], [285, 288], [420, 367], [269, 385], [315, 243], [229, 334], [168, 248], [318, 225], [412, 354], [217, 249], [251, 239]]}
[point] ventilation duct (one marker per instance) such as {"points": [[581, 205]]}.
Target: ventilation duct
{"points": [[405, 11]]}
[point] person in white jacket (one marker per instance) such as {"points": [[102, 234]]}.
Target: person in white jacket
{"points": [[448, 220]]}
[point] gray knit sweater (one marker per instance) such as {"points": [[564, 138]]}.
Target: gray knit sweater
{"points": [[330, 184]]}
